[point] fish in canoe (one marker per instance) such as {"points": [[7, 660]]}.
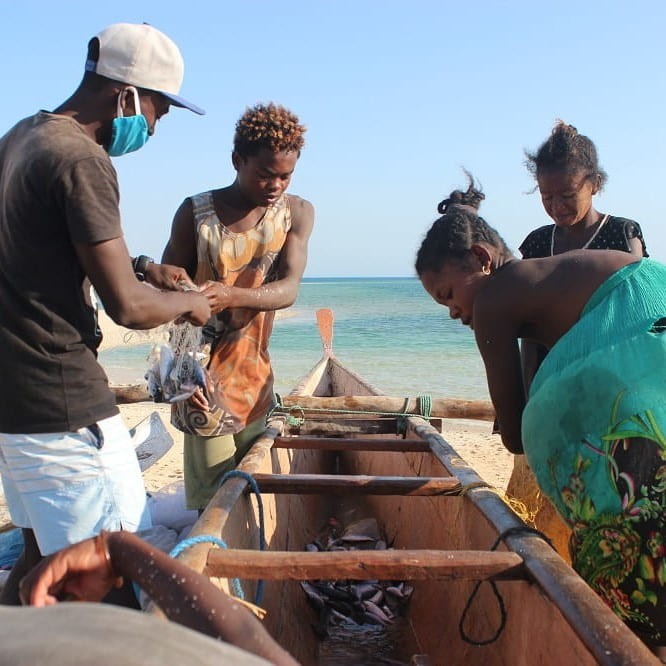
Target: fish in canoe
{"points": [[483, 586]]}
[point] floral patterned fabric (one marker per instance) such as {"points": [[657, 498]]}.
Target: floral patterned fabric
{"points": [[594, 432]]}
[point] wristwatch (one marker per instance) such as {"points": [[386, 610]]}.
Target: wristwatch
{"points": [[139, 264]]}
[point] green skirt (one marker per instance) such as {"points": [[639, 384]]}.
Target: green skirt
{"points": [[594, 433]]}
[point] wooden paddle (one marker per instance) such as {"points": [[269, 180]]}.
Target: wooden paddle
{"points": [[129, 393], [325, 326]]}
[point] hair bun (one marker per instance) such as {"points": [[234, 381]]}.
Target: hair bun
{"points": [[562, 128], [470, 199]]}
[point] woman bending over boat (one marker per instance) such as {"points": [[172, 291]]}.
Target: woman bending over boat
{"points": [[594, 426]]}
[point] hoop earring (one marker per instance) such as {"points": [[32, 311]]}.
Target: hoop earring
{"points": [[485, 270]]}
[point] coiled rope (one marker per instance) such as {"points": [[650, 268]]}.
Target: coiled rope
{"points": [[203, 538]]}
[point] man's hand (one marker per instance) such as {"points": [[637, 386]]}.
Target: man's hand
{"points": [[81, 572], [200, 310], [168, 277], [218, 295], [199, 401]]}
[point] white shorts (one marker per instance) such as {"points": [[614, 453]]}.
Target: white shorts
{"points": [[68, 486]]}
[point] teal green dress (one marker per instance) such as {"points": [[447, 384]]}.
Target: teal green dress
{"points": [[594, 433]]}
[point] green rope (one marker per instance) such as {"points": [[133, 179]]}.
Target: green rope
{"points": [[424, 403]]}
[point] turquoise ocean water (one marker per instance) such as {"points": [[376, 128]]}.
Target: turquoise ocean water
{"points": [[386, 329]]}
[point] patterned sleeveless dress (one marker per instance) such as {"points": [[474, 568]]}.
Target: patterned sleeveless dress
{"points": [[239, 367]]}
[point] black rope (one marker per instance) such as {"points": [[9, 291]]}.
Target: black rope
{"points": [[525, 530], [502, 607], [520, 529]]}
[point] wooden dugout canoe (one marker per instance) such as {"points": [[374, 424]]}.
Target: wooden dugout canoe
{"points": [[441, 537]]}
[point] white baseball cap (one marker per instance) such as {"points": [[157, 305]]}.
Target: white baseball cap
{"points": [[141, 56]]}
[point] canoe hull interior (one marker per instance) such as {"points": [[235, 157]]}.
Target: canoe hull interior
{"points": [[443, 523], [551, 616]]}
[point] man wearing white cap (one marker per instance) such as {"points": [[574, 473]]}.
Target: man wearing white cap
{"points": [[68, 467]]}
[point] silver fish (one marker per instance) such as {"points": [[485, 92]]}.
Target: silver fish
{"points": [[377, 597], [173, 378], [362, 530], [364, 590], [377, 612], [316, 599]]}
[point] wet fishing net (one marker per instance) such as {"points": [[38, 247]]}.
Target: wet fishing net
{"points": [[177, 367]]}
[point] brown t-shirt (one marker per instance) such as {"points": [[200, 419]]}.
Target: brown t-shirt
{"points": [[57, 187]]}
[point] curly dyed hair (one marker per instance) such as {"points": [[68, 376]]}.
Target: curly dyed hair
{"points": [[268, 126], [566, 151], [452, 235]]}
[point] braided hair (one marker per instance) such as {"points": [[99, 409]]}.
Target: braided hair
{"points": [[452, 235], [566, 151]]}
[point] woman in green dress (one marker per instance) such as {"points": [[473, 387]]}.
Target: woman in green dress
{"points": [[594, 426]]}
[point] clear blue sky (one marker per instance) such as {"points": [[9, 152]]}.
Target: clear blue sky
{"points": [[397, 97]]}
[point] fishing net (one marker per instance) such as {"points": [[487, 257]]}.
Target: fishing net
{"points": [[177, 367]]}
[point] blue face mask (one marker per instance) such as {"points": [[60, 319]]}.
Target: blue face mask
{"points": [[128, 133]]}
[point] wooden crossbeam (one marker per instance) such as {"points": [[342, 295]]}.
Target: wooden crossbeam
{"points": [[352, 444], [316, 484], [364, 565], [450, 408], [327, 425]]}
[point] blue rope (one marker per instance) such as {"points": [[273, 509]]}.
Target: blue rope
{"points": [[203, 538], [236, 473], [193, 541]]}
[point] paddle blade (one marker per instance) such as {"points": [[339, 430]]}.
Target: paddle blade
{"points": [[325, 326]]}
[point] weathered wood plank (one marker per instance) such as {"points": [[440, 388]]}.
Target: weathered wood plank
{"points": [[352, 444], [450, 408], [364, 564], [315, 484], [7, 527], [129, 393], [328, 425]]}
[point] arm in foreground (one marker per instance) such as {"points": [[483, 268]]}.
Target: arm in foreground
{"points": [[293, 258], [84, 572]]}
